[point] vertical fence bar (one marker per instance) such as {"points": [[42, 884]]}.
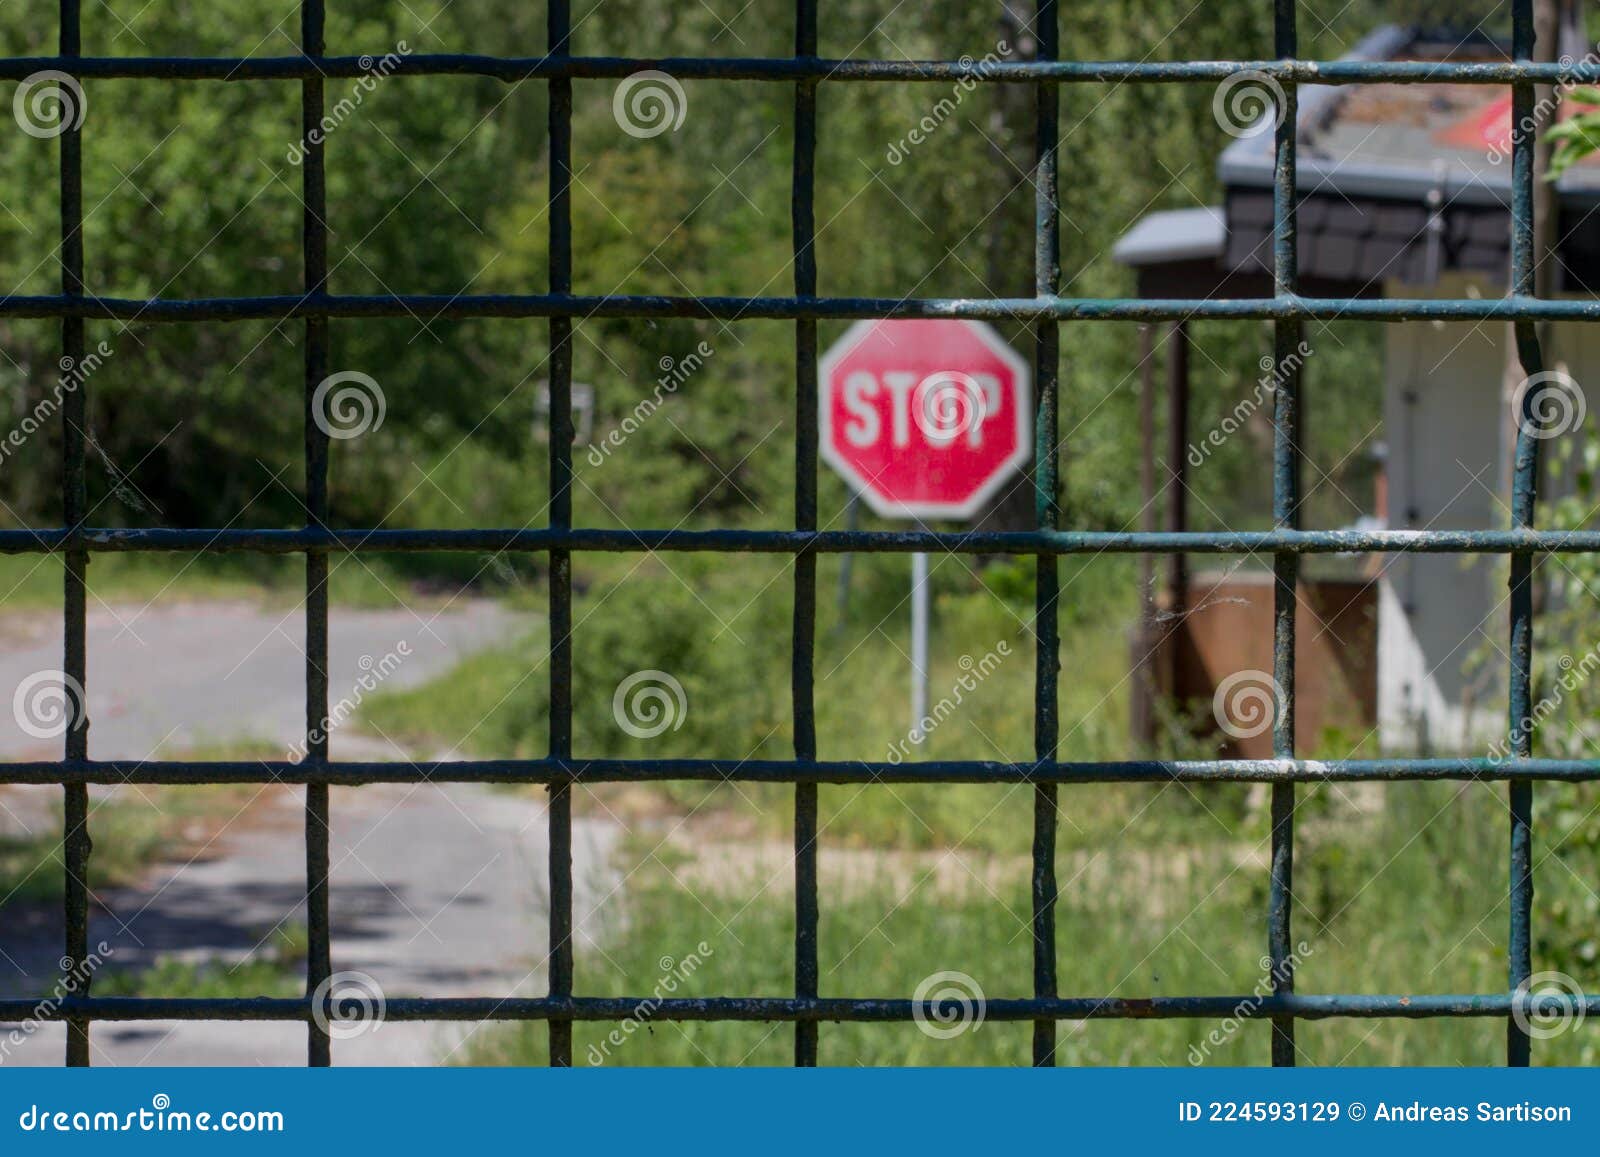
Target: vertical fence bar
{"points": [[314, 232], [558, 33], [74, 501], [1047, 624], [1524, 480], [1286, 456], [803, 671]]}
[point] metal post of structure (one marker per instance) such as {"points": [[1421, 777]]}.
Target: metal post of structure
{"points": [[1141, 705], [919, 643], [1177, 462], [852, 522]]}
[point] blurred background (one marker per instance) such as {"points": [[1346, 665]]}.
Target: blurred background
{"points": [[438, 185]]}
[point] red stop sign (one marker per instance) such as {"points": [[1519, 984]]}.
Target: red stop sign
{"points": [[925, 418]]}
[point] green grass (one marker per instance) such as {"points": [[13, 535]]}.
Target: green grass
{"points": [[1381, 909], [276, 968], [1399, 888], [722, 631], [33, 582], [132, 828]]}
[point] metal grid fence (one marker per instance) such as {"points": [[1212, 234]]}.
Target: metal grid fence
{"points": [[1044, 312]]}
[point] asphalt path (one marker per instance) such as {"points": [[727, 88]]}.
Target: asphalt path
{"points": [[434, 891]]}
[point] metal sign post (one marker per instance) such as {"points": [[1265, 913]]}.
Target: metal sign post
{"points": [[919, 644], [926, 418]]}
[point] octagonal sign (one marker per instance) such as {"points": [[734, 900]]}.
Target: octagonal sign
{"points": [[925, 418]]}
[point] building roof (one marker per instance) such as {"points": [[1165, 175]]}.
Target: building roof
{"points": [[1405, 140], [1173, 235], [1398, 183]]}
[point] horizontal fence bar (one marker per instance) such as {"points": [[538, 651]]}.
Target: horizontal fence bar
{"points": [[55, 540], [554, 771], [762, 1008], [1018, 309], [394, 62]]}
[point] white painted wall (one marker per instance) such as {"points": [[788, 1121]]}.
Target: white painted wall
{"points": [[1442, 619]]}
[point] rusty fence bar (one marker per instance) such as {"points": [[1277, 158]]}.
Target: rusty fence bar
{"points": [[559, 66], [1023, 310], [773, 1008], [1525, 478], [1286, 456], [803, 650], [74, 504], [1044, 312], [558, 40], [375, 540], [314, 228], [576, 770], [1047, 580]]}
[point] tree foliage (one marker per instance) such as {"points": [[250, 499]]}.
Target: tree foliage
{"points": [[439, 184]]}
